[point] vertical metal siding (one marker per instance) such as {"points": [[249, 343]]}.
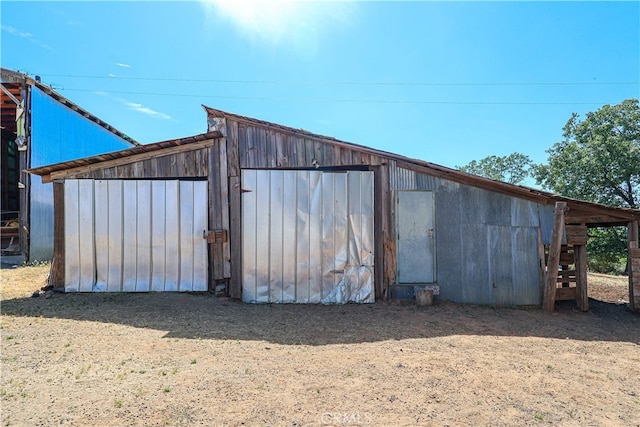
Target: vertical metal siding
{"points": [[135, 235], [487, 250], [58, 134], [301, 230]]}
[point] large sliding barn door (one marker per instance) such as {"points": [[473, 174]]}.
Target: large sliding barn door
{"points": [[307, 236], [135, 235]]}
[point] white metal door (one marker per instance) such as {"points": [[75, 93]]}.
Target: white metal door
{"points": [[307, 236], [135, 235], [415, 237]]}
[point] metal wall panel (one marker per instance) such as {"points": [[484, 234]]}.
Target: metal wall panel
{"points": [[304, 233], [416, 237], [487, 246], [135, 235], [58, 134]]}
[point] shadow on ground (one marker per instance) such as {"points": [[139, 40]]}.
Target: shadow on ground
{"points": [[206, 317]]}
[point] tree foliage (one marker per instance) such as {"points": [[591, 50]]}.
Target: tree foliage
{"points": [[513, 168], [599, 158], [607, 250]]}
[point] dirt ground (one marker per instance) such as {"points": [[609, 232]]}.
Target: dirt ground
{"points": [[183, 359]]}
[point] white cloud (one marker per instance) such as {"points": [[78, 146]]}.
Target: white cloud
{"points": [[25, 35], [123, 65], [134, 106]]}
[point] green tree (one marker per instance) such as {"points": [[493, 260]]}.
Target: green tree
{"points": [[599, 158], [513, 168]]}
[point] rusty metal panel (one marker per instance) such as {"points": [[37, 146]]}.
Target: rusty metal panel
{"points": [[301, 230], [125, 236]]}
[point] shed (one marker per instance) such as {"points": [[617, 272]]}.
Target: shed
{"points": [[276, 214], [40, 127]]}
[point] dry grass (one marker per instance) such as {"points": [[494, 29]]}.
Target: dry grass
{"points": [[180, 359]]}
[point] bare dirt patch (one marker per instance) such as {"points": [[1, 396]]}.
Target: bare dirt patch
{"points": [[182, 359]]}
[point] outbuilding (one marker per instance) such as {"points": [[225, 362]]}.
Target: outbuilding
{"points": [[39, 127], [274, 214]]}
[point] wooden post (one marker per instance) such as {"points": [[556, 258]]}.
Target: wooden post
{"points": [[551, 275], [57, 273], [582, 296], [235, 235], [633, 266]]}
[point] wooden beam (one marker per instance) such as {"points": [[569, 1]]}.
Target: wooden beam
{"points": [[582, 295], [235, 236], [551, 274], [57, 264], [633, 258]]}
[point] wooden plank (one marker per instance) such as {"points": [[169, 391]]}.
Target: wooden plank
{"points": [[73, 172], [282, 152], [582, 295], [318, 154], [215, 215], [292, 150], [301, 153], [310, 155], [259, 136], [235, 237], [224, 209], [245, 144], [378, 234], [548, 303], [233, 162], [567, 258], [328, 155], [567, 273], [57, 265], [386, 233], [272, 150], [565, 294], [576, 234], [345, 156]]}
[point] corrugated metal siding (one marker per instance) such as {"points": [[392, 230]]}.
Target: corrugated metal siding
{"points": [[301, 230], [126, 236], [58, 134], [487, 245], [405, 179]]}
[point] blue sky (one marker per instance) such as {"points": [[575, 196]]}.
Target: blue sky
{"points": [[447, 82]]}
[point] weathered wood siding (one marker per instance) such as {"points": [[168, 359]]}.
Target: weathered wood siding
{"points": [[185, 164], [261, 148]]}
